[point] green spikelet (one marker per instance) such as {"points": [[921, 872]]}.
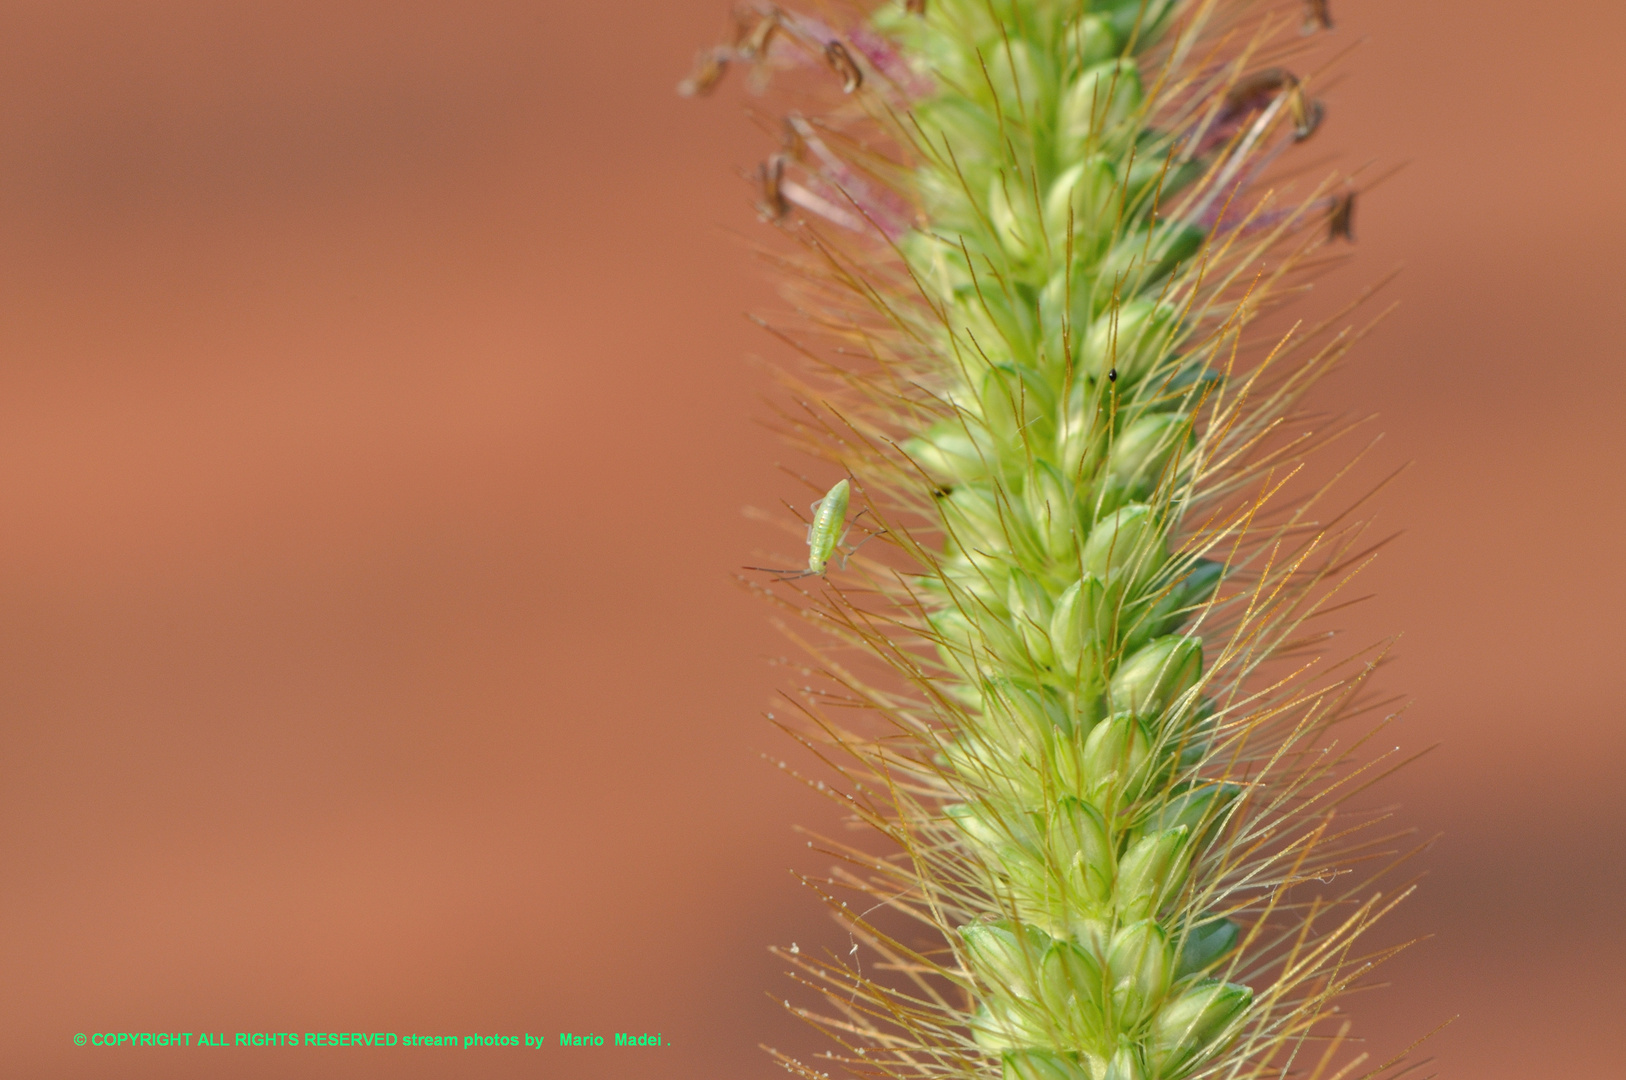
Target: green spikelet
{"points": [[1033, 235]]}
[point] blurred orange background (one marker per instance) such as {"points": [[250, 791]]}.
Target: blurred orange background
{"points": [[375, 422]]}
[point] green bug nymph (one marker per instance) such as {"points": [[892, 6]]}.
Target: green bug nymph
{"points": [[825, 534], [829, 515]]}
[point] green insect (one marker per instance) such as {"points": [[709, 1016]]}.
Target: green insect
{"points": [[825, 534]]}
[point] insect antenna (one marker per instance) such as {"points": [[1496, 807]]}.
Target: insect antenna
{"points": [[785, 575]]}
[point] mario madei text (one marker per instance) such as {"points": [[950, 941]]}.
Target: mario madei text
{"points": [[348, 1038]]}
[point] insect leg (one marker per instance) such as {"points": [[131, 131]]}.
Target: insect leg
{"points": [[849, 554]]}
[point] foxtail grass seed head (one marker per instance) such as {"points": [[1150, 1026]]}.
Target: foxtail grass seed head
{"points": [[1030, 240]]}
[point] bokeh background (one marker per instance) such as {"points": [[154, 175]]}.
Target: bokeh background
{"points": [[376, 416]]}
